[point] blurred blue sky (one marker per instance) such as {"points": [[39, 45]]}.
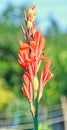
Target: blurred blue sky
{"points": [[45, 8]]}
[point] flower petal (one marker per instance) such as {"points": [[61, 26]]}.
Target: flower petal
{"points": [[33, 45], [20, 43], [26, 81], [24, 46], [45, 72], [41, 45], [37, 36], [25, 91]]}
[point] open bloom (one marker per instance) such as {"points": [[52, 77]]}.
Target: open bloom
{"points": [[30, 56], [46, 75], [27, 88]]}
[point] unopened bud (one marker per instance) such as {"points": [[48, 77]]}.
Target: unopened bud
{"points": [[35, 95], [32, 109], [29, 24], [31, 11], [40, 95], [35, 83]]}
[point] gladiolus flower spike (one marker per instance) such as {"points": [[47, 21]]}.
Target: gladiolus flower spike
{"points": [[31, 55]]}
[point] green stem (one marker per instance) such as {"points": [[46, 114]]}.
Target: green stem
{"points": [[36, 115]]}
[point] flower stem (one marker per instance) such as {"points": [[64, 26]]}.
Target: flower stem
{"points": [[36, 115]]}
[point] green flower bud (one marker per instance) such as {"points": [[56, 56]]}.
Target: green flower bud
{"points": [[35, 84], [35, 95], [40, 95]]}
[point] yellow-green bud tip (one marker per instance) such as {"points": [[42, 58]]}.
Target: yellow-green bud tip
{"points": [[35, 83]]}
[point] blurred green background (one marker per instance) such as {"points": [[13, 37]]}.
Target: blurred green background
{"points": [[10, 73]]}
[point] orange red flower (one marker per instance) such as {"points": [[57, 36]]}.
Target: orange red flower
{"points": [[46, 75], [31, 55]]}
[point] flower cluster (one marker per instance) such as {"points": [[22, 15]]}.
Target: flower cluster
{"points": [[31, 55]]}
